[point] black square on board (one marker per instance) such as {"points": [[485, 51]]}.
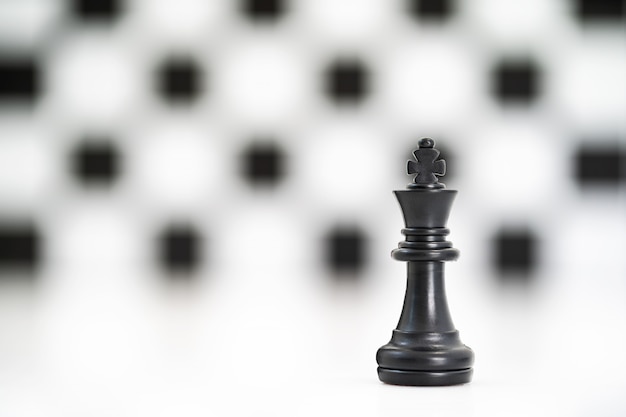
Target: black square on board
{"points": [[179, 249], [263, 10], [599, 165], [347, 81], [96, 163], [515, 252], [345, 250], [20, 247], [599, 10], [431, 9], [516, 82], [263, 164], [96, 10], [178, 80], [19, 79]]}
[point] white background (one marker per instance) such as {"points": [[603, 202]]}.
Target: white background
{"points": [[263, 329]]}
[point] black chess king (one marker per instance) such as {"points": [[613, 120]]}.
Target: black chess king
{"points": [[425, 348]]}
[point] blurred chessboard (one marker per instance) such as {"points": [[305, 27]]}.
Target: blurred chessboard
{"points": [[196, 211]]}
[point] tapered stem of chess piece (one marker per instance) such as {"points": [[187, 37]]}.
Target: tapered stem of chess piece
{"points": [[425, 348]]}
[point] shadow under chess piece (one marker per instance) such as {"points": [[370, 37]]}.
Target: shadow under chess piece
{"points": [[425, 348]]}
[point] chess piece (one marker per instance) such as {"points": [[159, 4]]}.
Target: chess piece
{"points": [[425, 348]]}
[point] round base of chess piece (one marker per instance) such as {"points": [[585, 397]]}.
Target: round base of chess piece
{"points": [[425, 358], [424, 378]]}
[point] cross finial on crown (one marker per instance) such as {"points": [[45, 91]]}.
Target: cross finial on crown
{"points": [[426, 166]]}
